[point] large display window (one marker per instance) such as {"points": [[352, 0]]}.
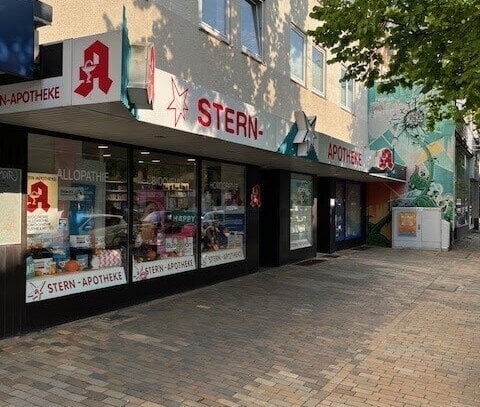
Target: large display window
{"points": [[76, 217], [223, 213], [164, 215], [301, 213]]}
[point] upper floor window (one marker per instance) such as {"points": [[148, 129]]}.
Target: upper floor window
{"points": [[347, 89], [318, 70], [251, 26], [297, 54], [214, 15]]}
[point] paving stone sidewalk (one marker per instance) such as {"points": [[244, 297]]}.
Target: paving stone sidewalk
{"points": [[378, 327]]}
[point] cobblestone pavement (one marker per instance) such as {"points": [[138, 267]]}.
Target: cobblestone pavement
{"points": [[378, 327]]}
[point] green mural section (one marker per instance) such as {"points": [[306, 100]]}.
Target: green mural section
{"points": [[397, 121]]}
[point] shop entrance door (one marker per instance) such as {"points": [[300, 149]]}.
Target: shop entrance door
{"points": [[348, 215]]}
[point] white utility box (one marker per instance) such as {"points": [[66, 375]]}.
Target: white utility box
{"points": [[419, 228]]}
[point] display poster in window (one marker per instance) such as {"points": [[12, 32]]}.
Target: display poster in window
{"points": [[84, 229], [42, 203], [11, 204], [407, 224], [301, 199]]}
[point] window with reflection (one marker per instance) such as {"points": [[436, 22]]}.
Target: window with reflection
{"points": [[353, 209], [215, 15], [301, 203], [164, 215], [297, 54], [251, 26], [77, 217], [339, 211], [223, 213]]}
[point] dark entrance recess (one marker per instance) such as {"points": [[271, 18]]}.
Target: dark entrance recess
{"points": [[341, 214], [275, 221]]}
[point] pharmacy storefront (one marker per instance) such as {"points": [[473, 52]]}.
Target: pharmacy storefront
{"points": [[115, 190]]}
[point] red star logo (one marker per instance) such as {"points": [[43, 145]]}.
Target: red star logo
{"points": [[178, 103]]}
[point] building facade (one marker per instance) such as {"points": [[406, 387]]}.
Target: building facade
{"points": [[164, 145]]}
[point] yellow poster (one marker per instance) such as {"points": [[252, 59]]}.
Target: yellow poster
{"points": [[407, 223], [42, 203], [11, 204]]}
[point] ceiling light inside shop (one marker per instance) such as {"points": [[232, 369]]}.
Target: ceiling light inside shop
{"points": [[191, 160], [102, 147], [155, 161], [107, 155], [141, 161], [144, 152]]}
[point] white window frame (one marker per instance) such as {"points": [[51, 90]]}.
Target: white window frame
{"points": [[225, 37], [245, 50], [292, 76], [324, 79], [347, 98]]}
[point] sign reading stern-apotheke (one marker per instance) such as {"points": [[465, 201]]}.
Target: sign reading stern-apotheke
{"points": [[92, 73], [341, 154], [188, 107], [60, 285], [162, 267], [34, 95], [223, 256]]}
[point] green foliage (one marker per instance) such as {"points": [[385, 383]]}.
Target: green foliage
{"points": [[434, 44]]}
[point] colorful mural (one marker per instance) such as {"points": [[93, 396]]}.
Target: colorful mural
{"points": [[397, 121]]}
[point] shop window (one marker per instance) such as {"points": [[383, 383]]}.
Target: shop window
{"points": [[223, 213], [347, 89], [214, 16], [76, 217], [339, 211], [318, 70], [251, 26], [353, 211], [301, 203], [164, 215], [297, 54]]}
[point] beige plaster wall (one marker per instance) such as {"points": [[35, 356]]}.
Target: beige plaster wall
{"points": [[184, 49]]}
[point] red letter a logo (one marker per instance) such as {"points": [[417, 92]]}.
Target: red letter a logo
{"points": [[38, 197], [95, 66]]}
